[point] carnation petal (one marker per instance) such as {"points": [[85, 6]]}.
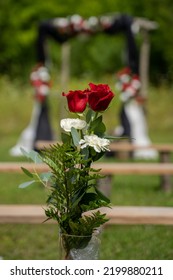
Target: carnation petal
{"points": [[68, 123], [97, 143]]}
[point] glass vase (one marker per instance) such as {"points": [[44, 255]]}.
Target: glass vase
{"points": [[75, 247]]}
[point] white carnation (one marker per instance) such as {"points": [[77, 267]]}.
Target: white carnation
{"points": [[67, 124], [99, 144]]}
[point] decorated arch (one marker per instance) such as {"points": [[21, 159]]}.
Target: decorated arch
{"points": [[131, 80]]}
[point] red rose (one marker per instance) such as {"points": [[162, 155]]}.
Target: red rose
{"points": [[77, 100], [99, 97]]}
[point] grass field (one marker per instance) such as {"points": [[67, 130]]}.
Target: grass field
{"points": [[118, 242]]}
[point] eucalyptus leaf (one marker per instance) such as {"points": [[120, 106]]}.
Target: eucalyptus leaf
{"points": [[45, 176], [24, 152], [75, 136], [27, 172], [26, 184], [33, 155]]}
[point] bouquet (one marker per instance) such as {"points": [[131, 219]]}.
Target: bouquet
{"points": [[72, 182]]}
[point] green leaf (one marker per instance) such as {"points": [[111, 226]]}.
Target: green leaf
{"points": [[85, 152], [96, 156], [27, 172], [102, 196], [34, 156], [117, 137], [89, 115], [26, 184], [25, 153], [75, 136], [45, 176], [77, 197], [65, 138], [98, 126], [88, 197]]}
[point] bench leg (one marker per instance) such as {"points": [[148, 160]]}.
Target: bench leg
{"points": [[105, 185], [166, 179], [166, 182]]}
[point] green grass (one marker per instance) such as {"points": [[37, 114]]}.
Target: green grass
{"points": [[140, 190], [10, 193], [118, 242]]}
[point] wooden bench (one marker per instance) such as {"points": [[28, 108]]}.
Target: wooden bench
{"points": [[164, 151], [111, 168], [34, 214], [108, 169]]}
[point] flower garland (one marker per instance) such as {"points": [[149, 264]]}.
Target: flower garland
{"points": [[40, 80], [128, 84]]}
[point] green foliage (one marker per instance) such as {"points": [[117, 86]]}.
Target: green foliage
{"points": [[73, 187], [72, 192], [95, 56], [85, 225]]}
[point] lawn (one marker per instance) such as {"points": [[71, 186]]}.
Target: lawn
{"points": [[118, 242]]}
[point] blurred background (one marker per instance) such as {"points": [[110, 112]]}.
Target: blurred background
{"points": [[19, 21], [92, 59]]}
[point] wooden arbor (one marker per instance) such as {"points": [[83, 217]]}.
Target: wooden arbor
{"points": [[145, 26], [142, 25]]}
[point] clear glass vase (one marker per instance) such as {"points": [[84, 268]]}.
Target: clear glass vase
{"points": [[74, 247]]}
